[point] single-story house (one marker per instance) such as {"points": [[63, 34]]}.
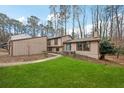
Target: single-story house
{"points": [[55, 44], [87, 47], [26, 45]]}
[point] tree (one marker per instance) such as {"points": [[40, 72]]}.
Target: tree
{"points": [[80, 14], [60, 25], [41, 27], [106, 48], [65, 14], [3, 26], [54, 19], [93, 21], [73, 18], [16, 25], [33, 22], [10, 26], [83, 11], [50, 29], [110, 12]]}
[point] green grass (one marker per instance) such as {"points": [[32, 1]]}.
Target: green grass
{"points": [[62, 72]]}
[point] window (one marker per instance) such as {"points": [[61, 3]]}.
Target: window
{"points": [[86, 46], [57, 49], [68, 46], [79, 46], [50, 49], [56, 41]]}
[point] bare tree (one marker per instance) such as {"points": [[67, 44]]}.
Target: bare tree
{"points": [[33, 22], [3, 26], [65, 13], [83, 11], [78, 13], [53, 10], [73, 18]]}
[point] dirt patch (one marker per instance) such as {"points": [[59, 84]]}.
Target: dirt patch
{"points": [[5, 58], [3, 52], [9, 59], [106, 61], [114, 58]]}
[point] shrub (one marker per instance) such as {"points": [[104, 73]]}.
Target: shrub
{"points": [[106, 48]]}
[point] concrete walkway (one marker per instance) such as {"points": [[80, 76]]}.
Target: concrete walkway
{"points": [[30, 62]]}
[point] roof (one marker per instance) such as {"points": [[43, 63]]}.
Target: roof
{"points": [[26, 38], [59, 37], [82, 40], [18, 37]]}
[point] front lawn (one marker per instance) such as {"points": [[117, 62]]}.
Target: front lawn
{"points": [[62, 72]]}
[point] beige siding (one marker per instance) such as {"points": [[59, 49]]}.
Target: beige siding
{"points": [[65, 39], [53, 44], [93, 53], [60, 49], [10, 48], [29, 46], [73, 46], [60, 43]]}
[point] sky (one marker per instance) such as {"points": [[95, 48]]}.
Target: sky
{"points": [[22, 12]]}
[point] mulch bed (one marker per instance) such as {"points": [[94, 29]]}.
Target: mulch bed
{"points": [[8, 59], [106, 61], [114, 58], [5, 58]]}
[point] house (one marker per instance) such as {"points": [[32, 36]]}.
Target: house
{"points": [[26, 45], [55, 44], [87, 47]]}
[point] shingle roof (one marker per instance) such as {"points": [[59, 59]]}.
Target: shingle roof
{"points": [[82, 40], [59, 37], [18, 37]]}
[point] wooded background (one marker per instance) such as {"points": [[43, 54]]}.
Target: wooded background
{"points": [[108, 21]]}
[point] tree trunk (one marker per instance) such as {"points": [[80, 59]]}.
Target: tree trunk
{"points": [[111, 29], [117, 24], [34, 32], [102, 57], [80, 27], [118, 53], [97, 18], [3, 32], [65, 24], [73, 22]]}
